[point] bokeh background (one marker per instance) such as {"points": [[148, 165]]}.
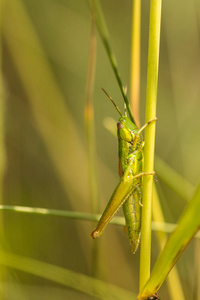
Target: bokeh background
{"points": [[45, 52]]}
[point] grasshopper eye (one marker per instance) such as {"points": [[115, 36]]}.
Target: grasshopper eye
{"points": [[119, 125]]}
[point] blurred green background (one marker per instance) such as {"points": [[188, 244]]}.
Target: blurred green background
{"points": [[45, 51]]}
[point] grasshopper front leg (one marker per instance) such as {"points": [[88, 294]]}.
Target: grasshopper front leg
{"points": [[142, 128]]}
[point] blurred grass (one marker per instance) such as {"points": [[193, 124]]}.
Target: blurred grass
{"points": [[52, 116], [39, 171], [3, 271], [2, 117], [135, 61], [89, 122], [90, 139], [84, 284]]}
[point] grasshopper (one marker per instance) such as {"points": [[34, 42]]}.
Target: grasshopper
{"points": [[129, 189]]}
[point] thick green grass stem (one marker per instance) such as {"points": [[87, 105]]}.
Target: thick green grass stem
{"points": [[151, 99]]}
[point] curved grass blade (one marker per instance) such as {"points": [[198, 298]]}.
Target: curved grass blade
{"points": [[173, 279], [187, 226]]}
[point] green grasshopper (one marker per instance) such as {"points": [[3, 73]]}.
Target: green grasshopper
{"points": [[129, 190]]}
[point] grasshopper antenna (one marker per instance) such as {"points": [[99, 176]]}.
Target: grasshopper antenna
{"points": [[117, 108]]}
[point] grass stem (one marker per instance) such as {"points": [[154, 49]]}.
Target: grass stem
{"points": [[151, 100]]}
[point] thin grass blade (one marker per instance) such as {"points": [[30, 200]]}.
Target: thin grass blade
{"points": [[103, 31]]}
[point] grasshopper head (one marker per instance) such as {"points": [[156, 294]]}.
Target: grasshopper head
{"points": [[126, 130]]}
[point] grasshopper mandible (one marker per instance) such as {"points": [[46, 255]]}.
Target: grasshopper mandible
{"points": [[129, 190]]}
